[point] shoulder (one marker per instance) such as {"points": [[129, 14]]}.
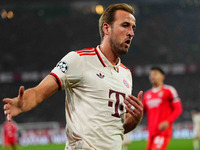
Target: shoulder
{"points": [[124, 67], [125, 71], [169, 87], [86, 52], [77, 56], [5, 123], [70, 56], [171, 90]]}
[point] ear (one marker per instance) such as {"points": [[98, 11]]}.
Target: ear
{"points": [[163, 77], [106, 28]]}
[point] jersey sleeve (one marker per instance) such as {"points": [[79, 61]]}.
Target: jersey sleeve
{"points": [[176, 105], [173, 94], [68, 70]]}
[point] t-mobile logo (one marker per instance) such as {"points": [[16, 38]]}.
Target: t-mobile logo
{"points": [[118, 106]]}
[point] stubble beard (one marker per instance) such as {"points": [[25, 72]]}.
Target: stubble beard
{"points": [[117, 47]]}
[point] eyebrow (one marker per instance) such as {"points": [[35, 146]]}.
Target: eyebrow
{"points": [[128, 23]]}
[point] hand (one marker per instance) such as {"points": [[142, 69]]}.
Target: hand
{"points": [[137, 112], [163, 125], [13, 106]]}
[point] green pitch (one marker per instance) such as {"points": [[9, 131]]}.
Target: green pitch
{"points": [[42, 147], [175, 144]]}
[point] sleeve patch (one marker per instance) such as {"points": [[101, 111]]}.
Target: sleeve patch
{"points": [[62, 66]]}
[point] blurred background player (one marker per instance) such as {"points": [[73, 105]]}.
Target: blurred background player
{"points": [[10, 134], [163, 106], [196, 128]]}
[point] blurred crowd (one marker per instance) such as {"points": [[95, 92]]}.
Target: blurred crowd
{"points": [[39, 35]]}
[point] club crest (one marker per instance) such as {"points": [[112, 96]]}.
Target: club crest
{"points": [[126, 83]]}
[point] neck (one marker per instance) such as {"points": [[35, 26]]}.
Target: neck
{"points": [[157, 85], [109, 53]]}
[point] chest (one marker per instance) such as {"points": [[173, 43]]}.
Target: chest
{"points": [[106, 89], [106, 78], [157, 99]]}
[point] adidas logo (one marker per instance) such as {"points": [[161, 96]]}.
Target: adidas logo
{"points": [[100, 75]]}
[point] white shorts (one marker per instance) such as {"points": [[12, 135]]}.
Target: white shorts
{"points": [[79, 145]]}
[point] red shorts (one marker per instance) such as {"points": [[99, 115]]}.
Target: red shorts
{"points": [[158, 142], [10, 141]]}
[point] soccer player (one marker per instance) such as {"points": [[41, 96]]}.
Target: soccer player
{"points": [[163, 106], [196, 128], [10, 134], [98, 87]]}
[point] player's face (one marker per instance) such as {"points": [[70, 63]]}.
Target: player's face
{"points": [[156, 78], [122, 32]]}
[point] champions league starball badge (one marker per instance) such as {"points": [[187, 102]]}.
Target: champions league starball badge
{"points": [[62, 66]]}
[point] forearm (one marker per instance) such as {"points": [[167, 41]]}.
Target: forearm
{"points": [[31, 99], [34, 96], [28, 99]]}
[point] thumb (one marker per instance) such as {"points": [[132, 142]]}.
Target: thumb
{"points": [[140, 95], [21, 92], [9, 117]]}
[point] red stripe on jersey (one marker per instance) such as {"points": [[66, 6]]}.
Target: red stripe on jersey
{"points": [[57, 79], [87, 54], [86, 51], [121, 65], [100, 58]]}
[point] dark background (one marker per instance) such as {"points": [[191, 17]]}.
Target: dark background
{"points": [[42, 32]]}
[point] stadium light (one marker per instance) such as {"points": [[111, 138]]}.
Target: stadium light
{"points": [[3, 14], [10, 14], [99, 9]]}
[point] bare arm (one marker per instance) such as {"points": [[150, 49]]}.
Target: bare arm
{"points": [[133, 117], [30, 98]]}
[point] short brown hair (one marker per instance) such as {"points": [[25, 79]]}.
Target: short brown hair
{"points": [[158, 69], [109, 13]]}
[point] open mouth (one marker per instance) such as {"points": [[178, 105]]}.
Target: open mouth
{"points": [[128, 41]]}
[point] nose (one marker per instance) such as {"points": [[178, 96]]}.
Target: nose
{"points": [[131, 33]]}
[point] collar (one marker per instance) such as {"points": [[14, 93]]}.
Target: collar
{"points": [[156, 89], [105, 62]]}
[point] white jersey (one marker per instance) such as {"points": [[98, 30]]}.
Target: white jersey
{"points": [[196, 124], [95, 90]]}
